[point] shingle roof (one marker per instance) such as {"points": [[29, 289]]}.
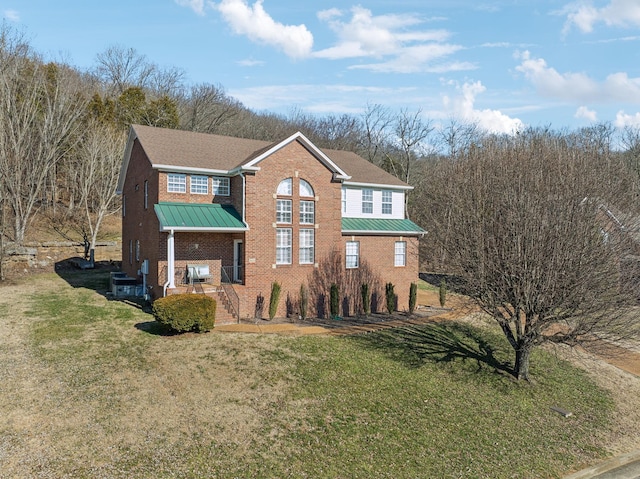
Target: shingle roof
{"points": [[380, 226], [186, 149], [198, 217]]}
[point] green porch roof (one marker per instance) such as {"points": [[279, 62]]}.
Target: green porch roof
{"points": [[199, 217], [380, 226]]}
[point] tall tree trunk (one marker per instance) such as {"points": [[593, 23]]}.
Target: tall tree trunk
{"points": [[521, 367]]}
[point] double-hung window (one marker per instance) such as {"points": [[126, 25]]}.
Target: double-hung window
{"points": [[306, 245], [283, 245], [400, 254], [176, 183], [307, 212], [387, 203], [283, 211], [367, 201], [199, 185], [221, 186], [353, 254]]}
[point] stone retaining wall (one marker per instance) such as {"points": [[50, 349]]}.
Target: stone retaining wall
{"points": [[43, 256]]}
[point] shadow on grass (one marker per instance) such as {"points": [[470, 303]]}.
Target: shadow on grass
{"points": [[156, 329], [437, 343], [96, 279]]}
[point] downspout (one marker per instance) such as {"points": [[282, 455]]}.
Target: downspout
{"points": [[244, 194], [170, 264]]}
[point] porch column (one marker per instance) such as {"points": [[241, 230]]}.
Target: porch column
{"points": [[171, 267]]}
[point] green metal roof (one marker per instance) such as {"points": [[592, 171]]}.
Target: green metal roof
{"points": [[380, 226], [198, 217]]}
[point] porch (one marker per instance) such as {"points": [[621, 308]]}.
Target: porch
{"points": [[217, 284], [204, 253]]}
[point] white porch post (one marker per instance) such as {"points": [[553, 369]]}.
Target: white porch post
{"points": [[171, 267]]}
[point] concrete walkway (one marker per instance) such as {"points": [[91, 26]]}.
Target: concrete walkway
{"points": [[622, 467]]}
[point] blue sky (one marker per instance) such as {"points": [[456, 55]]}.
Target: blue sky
{"points": [[501, 63]]}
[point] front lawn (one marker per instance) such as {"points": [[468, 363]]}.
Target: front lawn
{"points": [[91, 389]]}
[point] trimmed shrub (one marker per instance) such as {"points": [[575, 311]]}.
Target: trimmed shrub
{"points": [[413, 297], [186, 312], [334, 300], [274, 299], [390, 297], [304, 302], [366, 299], [442, 292]]}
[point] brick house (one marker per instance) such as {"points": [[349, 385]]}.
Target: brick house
{"points": [[229, 216]]}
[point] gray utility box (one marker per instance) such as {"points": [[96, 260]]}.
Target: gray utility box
{"points": [[123, 286]]}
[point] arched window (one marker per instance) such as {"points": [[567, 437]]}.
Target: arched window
{"points": [[285, 187], [305, 189]]}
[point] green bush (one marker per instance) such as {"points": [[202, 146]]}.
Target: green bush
{"points": [[413, 297], [366, 299], [390, 296], [186, 312], [304, 302], [334, 300], [443, 293], [274, 299]]}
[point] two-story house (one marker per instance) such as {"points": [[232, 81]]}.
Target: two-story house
{"points": [[206, 212]]}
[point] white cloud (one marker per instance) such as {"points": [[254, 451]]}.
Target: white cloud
{"points": [[623, 119], [578, 87], [257, 25], [389, 38], [250, 63], [195, 5], [12, 15], [618, 13], [490, 120], [584, 112], [326, 98]]}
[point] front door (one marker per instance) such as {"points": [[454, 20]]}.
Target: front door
{"points": [[238, 255]]}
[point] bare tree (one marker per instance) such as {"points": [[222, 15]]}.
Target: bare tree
{"points": [[411, 133], [458, 136], [100, 157], [538, 229], [40, 109], [206, 107], [120, 68], [377, 121]]}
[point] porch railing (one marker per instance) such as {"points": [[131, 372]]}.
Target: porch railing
{"points": [[230, 291]]}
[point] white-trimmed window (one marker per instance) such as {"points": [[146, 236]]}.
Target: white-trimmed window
{"points": [[176, 183], [285, 187], [306, 189], [137, 250], [387, 203], [353, 254], [200, 185], [307, 212], [400, 256], [283, 211], [283, 245], [146, 194], [221, 186], [306, 245], [367, 201]]}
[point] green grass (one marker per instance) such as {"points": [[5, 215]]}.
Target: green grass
{"points": [[424, 286], [435, 401]]}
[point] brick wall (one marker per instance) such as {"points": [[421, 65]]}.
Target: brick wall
{"points": [[259, 243]]}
